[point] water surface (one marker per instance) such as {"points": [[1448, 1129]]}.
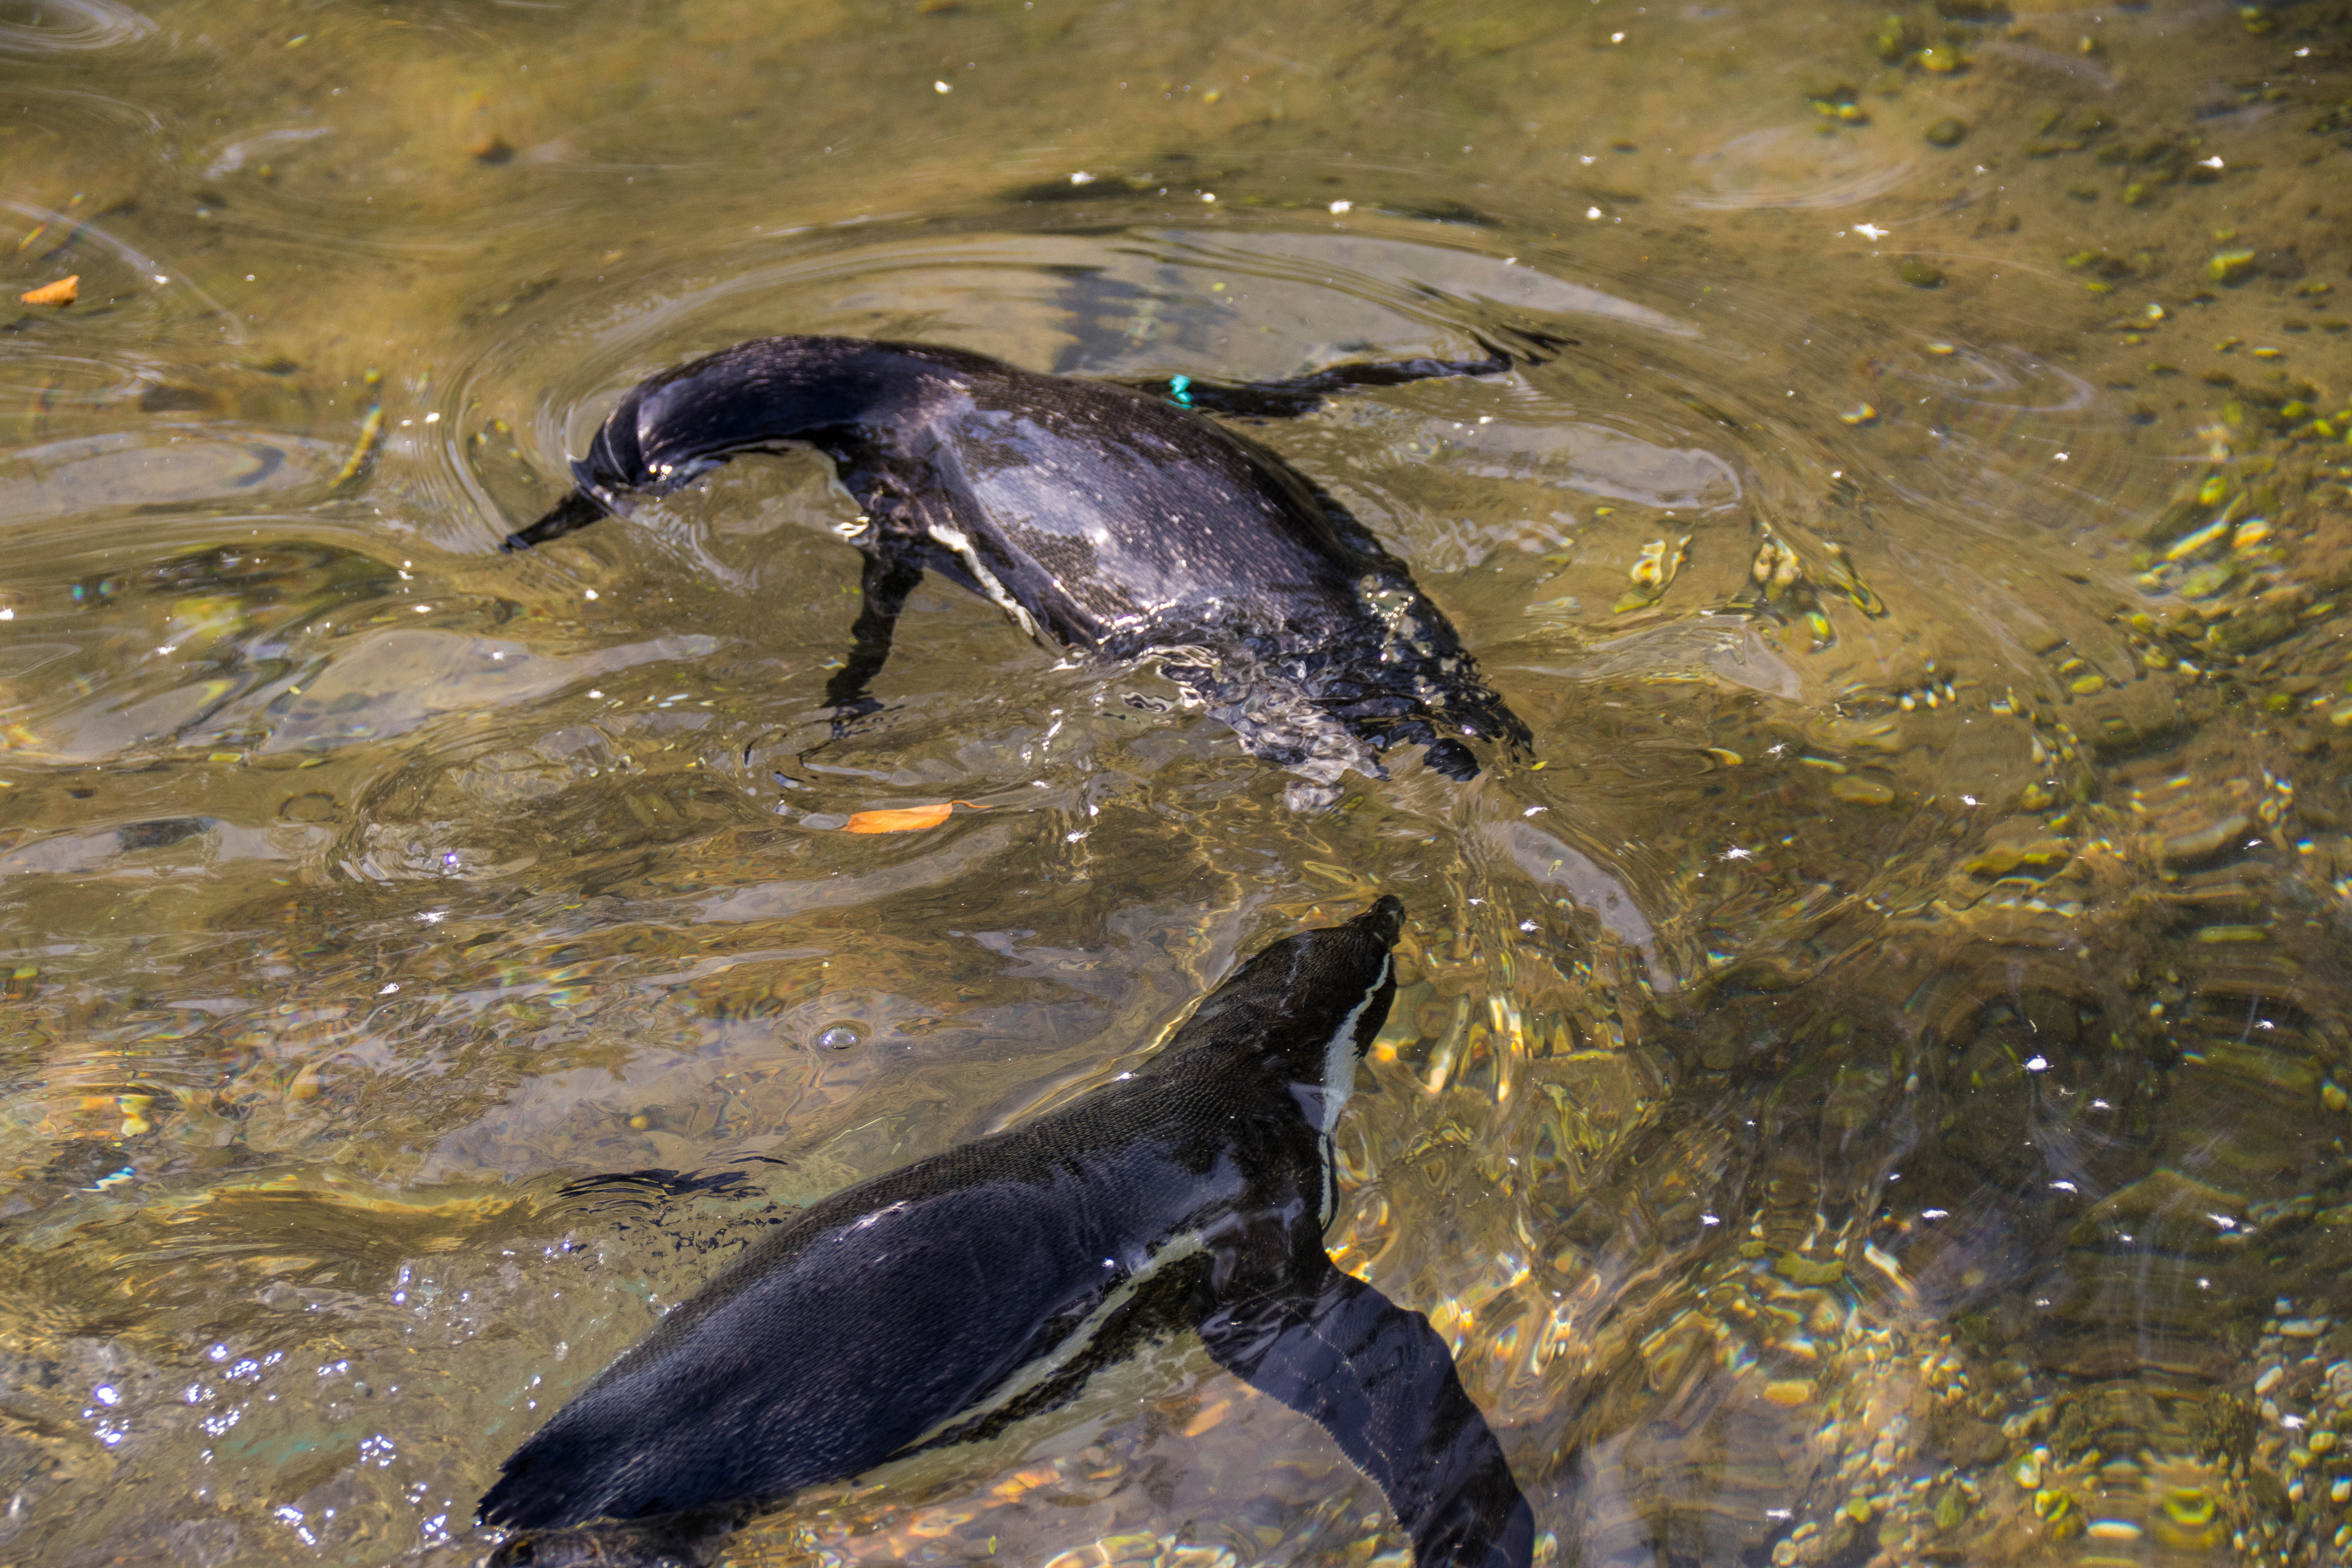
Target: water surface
{"points": [[1876, 1094]]}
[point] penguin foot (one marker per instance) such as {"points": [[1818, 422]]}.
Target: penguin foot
{"points": [[1452, 759]]}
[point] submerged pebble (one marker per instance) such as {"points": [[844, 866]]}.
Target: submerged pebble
{"points": [[2233, 266], [1856, 791]]}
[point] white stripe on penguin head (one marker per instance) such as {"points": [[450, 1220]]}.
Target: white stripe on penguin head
{"points": [[1340, 1054], [1338, 1083]]}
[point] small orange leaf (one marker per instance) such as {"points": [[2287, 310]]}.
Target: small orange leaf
{"points": [[1208, 1419], [905, 818], [64, 292]]}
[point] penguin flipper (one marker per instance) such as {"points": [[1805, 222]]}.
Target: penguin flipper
{"points": [[1305, 393], [1382, 1382]]}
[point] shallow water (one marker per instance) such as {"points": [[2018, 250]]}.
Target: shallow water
{"points": [[1871, 1096]]}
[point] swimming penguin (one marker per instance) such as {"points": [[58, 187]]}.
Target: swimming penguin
{"points": [[952, 1296], [1114, 520]]}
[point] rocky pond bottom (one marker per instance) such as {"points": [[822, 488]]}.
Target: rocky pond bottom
{"points": [[1870, 1088]]}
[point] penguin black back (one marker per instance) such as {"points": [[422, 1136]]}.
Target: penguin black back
{"points": [[1101, 518], [922, 1305]]}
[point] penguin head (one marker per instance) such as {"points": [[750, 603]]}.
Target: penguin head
{"points": [[1308, 1004], [1384, 920]]}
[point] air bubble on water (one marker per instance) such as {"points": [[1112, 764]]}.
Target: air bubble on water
{"points": [[840, 1038]]}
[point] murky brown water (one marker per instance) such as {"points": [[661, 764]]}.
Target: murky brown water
{"points": [[1872, 1097]]}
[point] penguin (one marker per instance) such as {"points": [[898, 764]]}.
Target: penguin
{"points": [[949, 1297], [1111, 520]]}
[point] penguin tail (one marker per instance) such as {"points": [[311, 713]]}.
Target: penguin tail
{"points": [[547, 1485], [521, 1500], [575, 510]]}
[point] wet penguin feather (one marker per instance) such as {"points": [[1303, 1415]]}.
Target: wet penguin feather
{"points": [[965, 1289], [1102, 518]]}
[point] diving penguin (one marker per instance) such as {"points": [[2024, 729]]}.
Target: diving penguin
{"points": [[1113, 520], [953, 1295]]}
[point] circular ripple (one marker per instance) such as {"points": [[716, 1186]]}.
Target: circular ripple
{"points": [[60, 26], [1789, 166], [1238, 305]]}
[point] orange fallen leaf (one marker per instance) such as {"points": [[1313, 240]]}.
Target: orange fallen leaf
{"points": [[905, 818], [1208, 1419], [64, 292]]}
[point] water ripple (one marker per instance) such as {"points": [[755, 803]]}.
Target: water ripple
{"points": [[61, 26]]}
